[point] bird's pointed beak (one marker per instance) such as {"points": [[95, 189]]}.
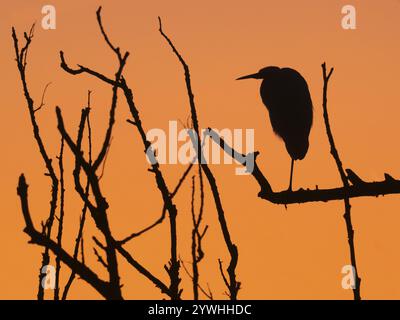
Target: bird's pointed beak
{"points": [[250, 76]]}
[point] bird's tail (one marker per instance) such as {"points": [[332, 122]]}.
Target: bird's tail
{"points": [[297, 147]]}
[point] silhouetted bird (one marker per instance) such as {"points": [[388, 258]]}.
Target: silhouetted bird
{"points": [[285, 94]]}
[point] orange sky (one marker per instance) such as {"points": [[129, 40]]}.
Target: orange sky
{"points": [[296, 253]]}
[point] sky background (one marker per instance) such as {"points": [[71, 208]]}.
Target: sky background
{"points": [[293, 253]]}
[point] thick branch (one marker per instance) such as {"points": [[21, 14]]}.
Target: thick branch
{"points": [[359, 188]]}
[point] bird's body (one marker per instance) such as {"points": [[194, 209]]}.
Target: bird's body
{"points": [[286, 95]]}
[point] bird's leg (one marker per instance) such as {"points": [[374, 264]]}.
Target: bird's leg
{"points": [[291, 176]]}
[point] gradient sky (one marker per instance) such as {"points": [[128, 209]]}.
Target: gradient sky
{"points": [[293, 253]]}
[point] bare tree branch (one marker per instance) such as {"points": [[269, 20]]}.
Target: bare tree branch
{"points": [[163, 213], [346, 186], [359, 188], [234, 285], [60, 220], [79, 238], [197, 237], [173, 266], [98, 211], [83, 69], [21, 58], [142, 270]]}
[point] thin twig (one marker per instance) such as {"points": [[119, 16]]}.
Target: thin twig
{"points": [[82, 251], [208, 294], [103, 166], [197, 237], [42, 103], [163, 213], [195, 270], [100, 258], [60, 220]]}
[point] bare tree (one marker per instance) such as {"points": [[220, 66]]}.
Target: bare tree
{"points": [[94, 201], [90, 169]]}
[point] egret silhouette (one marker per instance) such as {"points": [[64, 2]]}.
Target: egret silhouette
{"points": [[285, 94]]}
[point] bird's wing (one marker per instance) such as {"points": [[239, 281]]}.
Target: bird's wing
{"points": [[288, 100], [290, 108]]}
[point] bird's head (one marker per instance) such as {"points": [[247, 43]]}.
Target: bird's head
{"points": [[262, 74]]}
